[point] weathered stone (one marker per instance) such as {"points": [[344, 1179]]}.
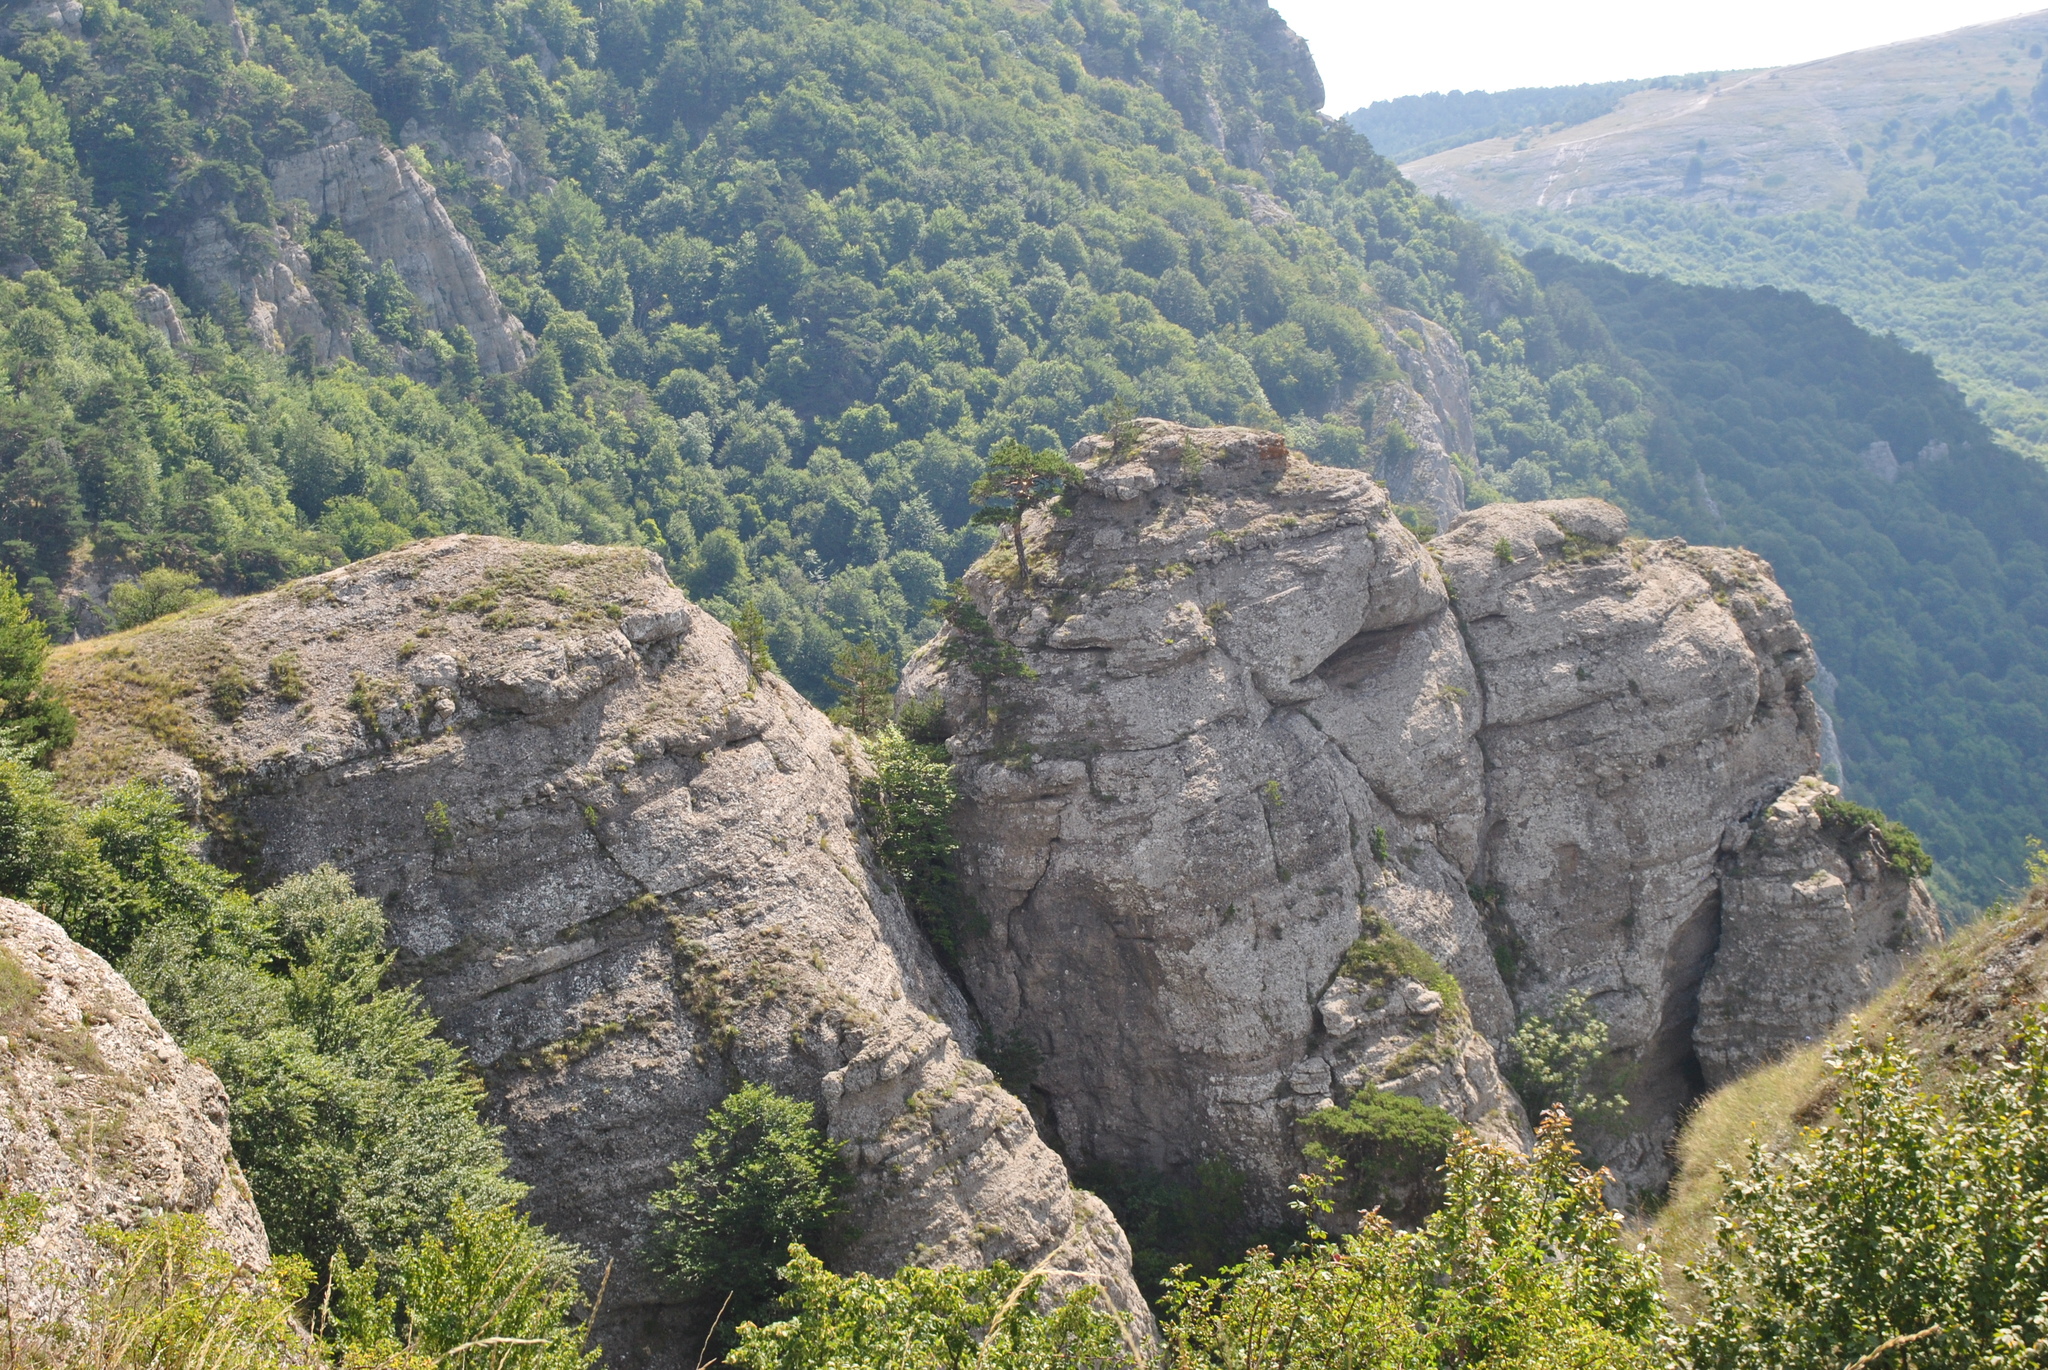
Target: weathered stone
{"points": [[626, 876], [1432, 404], [1169, 828], [102, 1117], [376, 197], [265, 272], [1815, 920], [1256, 705]]}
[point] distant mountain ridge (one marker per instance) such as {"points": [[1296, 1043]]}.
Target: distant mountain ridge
{"points": [[1903, 183], [1411, 126]]}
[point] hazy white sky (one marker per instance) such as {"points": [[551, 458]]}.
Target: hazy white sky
{"points": [[1375, 49]]}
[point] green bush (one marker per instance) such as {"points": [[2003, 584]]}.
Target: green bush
{"points": [[1556, 1060], [1524, 1265], [153, 595], [992, 1319], [909, 803], [356, 1124], [759, 1177], [1901, 844], [1909, 1212], [1387, 1147], [494, 1283]]}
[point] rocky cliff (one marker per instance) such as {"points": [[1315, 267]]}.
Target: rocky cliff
{"points": [[626, 874], [377, 198], [1258, 708], [101, 1116]]}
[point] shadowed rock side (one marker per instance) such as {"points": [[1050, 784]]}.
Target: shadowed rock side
{"points": [[1256, 710], [102, 1116], [626, 877]]}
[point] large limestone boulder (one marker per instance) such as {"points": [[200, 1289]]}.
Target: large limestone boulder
{"points": [[1171, 828], [1261, 717], [1816, 918], [102, 1117], [626, 875]]}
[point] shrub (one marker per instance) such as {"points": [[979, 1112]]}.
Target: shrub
{"points": [[156, 593], [759, 1177], [909, 804], [356, 1125], [1901, 845], [495, 1284], [1388, 1146], [1910, 1212], [992, 1319], [1554, 1061], [1523, 1266]]}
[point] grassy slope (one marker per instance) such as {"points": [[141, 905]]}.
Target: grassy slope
{"points": [[1956, 1007]]}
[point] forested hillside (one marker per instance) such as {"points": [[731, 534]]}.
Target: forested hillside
{"points": [[1920, 567], [793, 270]]}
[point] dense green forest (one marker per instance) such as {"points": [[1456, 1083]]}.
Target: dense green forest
{"points": [[1411, 126], [1927, 594], [1949, 249]]}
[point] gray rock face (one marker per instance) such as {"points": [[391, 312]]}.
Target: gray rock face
{"points": [[1170, 829], [266, 272], [102, 1116], [627, 878], [1816, 920], [1434, 408], [377, 198], [1257, 707]]}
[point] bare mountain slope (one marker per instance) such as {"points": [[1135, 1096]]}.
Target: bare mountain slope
{"points": [[1776, 141]]}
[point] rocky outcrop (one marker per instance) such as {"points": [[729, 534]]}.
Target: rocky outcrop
{"points": [[1432, 410], [265, 273], [1246, 679], [626, 875], [1258, 709], [1817, 917], [102, 1117], [1638, 697], [378, 198]]}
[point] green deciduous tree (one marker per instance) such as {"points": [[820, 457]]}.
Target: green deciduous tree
{"points": [[33, 716], [1911, 1211], [909, 804], [1555, 1060], [990, 1319], [759, 1176], [1524, 1265]]}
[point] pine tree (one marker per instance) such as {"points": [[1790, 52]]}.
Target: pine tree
{"points": [[866, 683], [1017, 481]]}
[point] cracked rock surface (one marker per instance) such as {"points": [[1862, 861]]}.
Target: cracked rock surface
{"points": [[626, 876], [1261, 713]]}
